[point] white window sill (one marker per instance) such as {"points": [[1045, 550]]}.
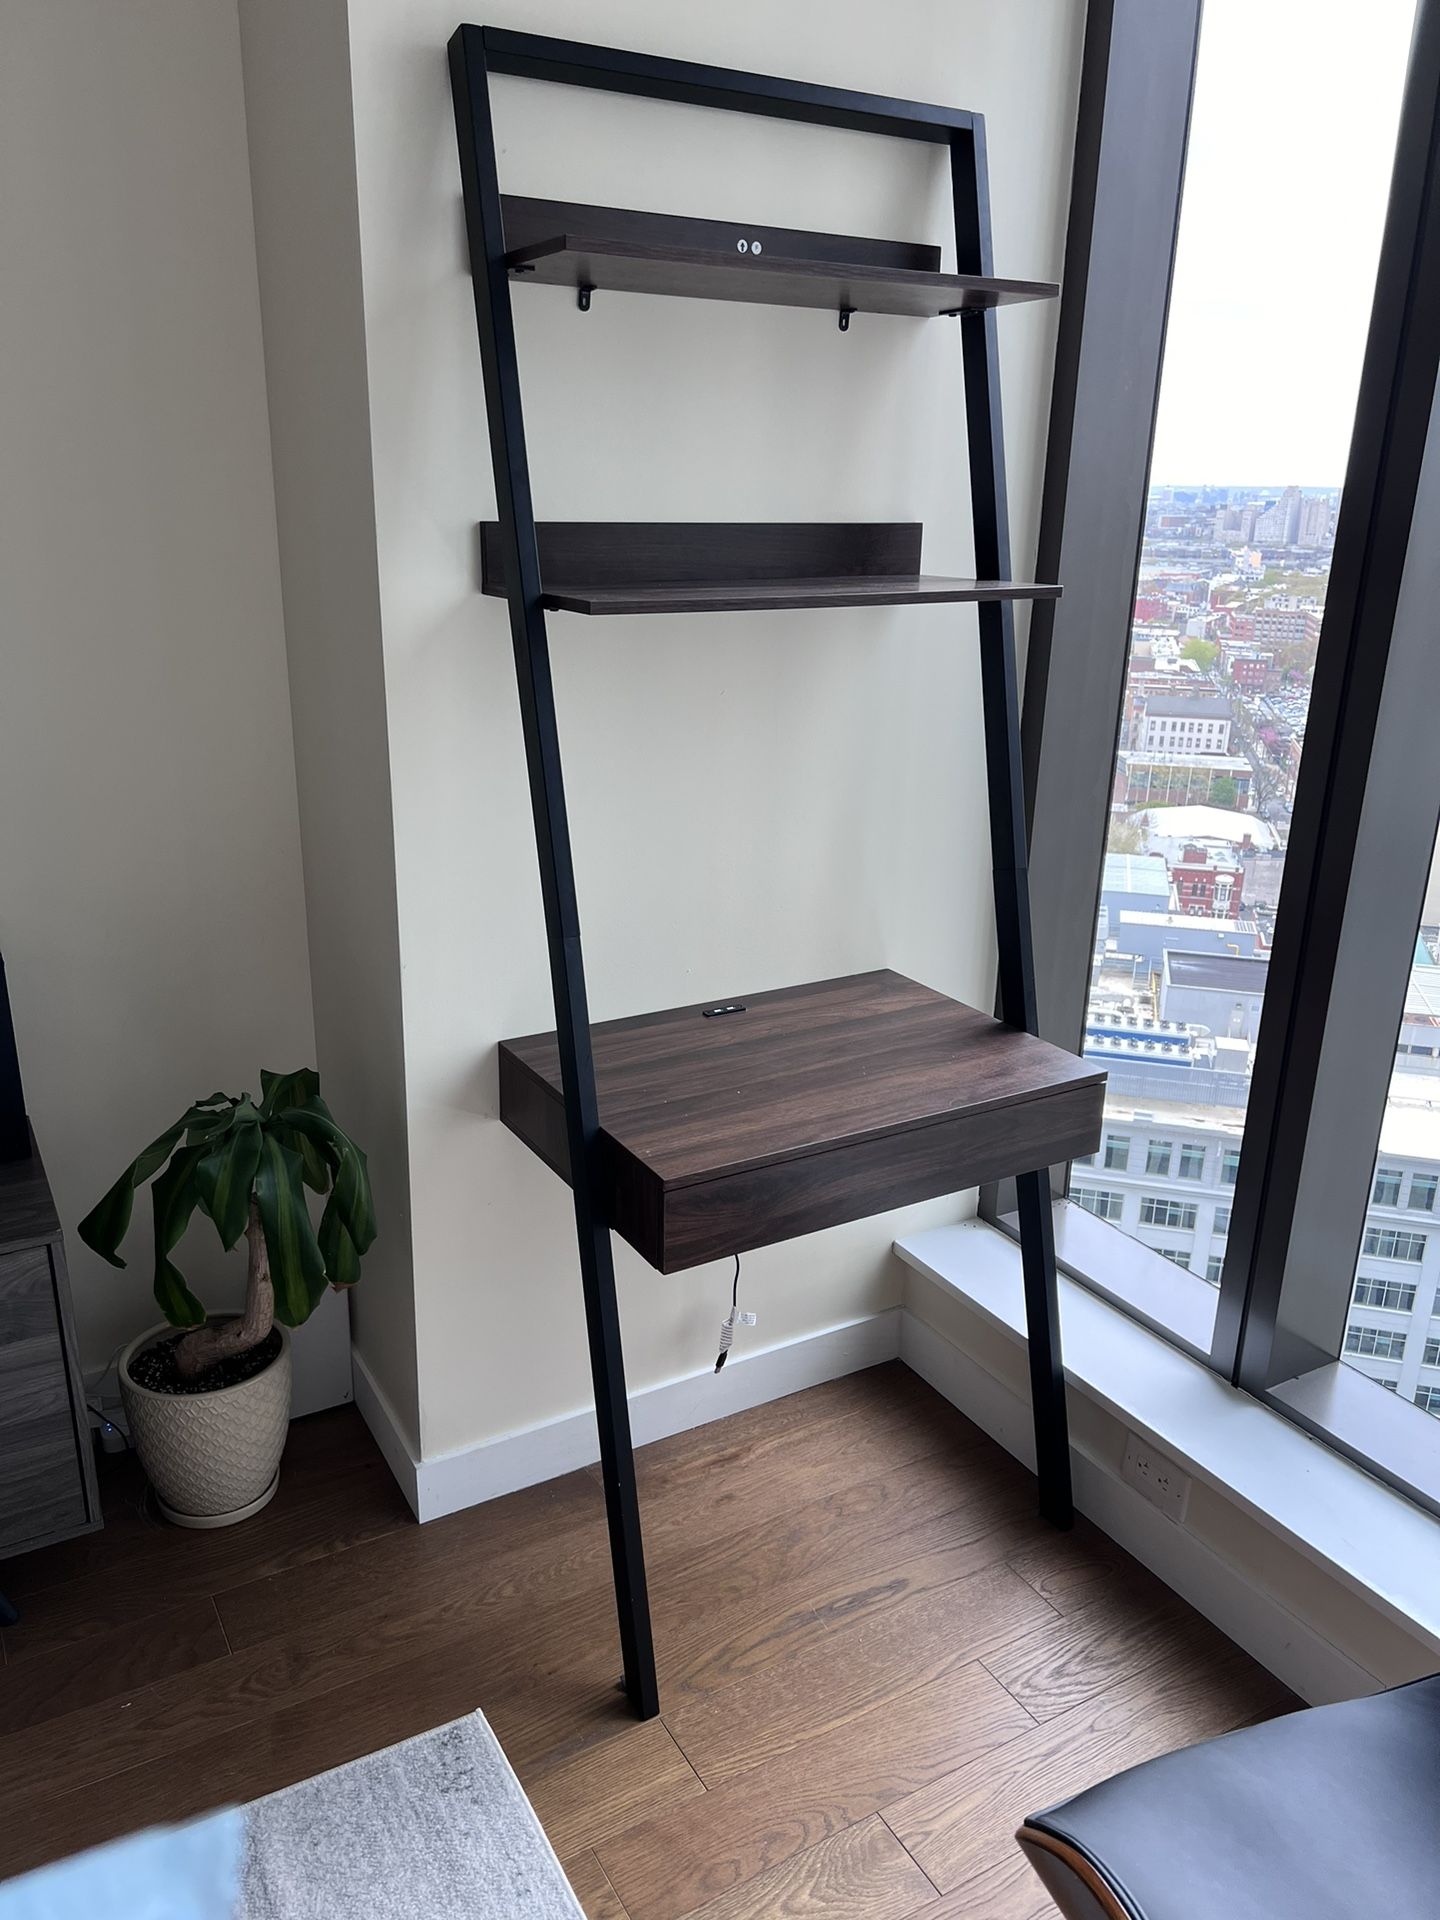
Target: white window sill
{"points": [[1371, 1539]]}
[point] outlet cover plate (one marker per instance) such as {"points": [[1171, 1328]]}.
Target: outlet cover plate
{"points": [[1155, 1475]]}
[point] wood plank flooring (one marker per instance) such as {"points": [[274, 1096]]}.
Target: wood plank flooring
{"points": [[874, 1661]]}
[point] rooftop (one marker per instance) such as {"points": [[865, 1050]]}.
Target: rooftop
{"points": [[1196, 1118], [1422, 995], [1220, 927], [1225, 972], [1186, 756], [1209, 823], [1136, 873], [1410, 1129], [1192, 706]]}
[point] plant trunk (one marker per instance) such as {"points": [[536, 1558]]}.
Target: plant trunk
{"points": [[208, 1345]]}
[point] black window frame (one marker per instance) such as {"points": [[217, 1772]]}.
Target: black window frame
{"points": [[1364, 827]]}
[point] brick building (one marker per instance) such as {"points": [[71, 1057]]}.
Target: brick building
{"points": [[1205, 887]]}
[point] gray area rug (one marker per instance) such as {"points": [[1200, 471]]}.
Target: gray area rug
{"points": [[437, 1828]]}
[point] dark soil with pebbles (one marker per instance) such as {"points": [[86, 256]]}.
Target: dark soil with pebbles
{"points": [[155, 1368]]}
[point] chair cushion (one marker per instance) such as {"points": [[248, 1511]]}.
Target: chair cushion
{"points": [[1332, 1813]]}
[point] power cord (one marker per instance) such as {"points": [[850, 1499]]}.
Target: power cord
{"points": [[113, 1438], [733, 1320]]}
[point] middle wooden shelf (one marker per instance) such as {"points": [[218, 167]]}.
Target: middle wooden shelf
{"points": [[614, 567], [731, 1125]]}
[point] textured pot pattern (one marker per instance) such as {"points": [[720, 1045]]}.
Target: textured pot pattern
{"points": [[210, 1453]]}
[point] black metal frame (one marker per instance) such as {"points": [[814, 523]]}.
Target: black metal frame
{"points": [[475, 54], [1365, 813], [1132, 128]]}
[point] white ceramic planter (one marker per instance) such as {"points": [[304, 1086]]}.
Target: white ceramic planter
{"points": [[212, 1458]]}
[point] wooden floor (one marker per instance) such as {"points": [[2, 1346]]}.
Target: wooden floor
{"points": [[874, 1661]]}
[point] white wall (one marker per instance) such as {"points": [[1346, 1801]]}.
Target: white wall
{"points": [[151, 909], [307, 252], [754, 801]]}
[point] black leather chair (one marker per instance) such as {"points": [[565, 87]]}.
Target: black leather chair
{"points": [[1332, 1813]]}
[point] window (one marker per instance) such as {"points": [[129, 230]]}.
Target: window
{"points": [[1378, 1342], [1393, 1295], [1104, 1203], [1166, 1213], [1231, 762], [1177, 1256], [1117, 1152], [1431, 1356], [1387, 1243], [1428, 1398]]}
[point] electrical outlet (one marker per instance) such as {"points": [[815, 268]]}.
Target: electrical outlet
{"points": [[1154, 1474]]}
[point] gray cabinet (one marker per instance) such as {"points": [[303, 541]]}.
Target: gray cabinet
{"points": [[47, 1463]]}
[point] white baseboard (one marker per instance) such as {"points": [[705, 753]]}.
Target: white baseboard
{"points": [[1308, 1663], [386, 1431], [450, 1481]]}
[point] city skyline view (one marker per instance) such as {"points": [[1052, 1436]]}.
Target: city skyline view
{"points": [[1228, 611], [1259, 377]]}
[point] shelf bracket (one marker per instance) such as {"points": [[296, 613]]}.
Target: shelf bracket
{"points": [[582, 298], [845, 313]]}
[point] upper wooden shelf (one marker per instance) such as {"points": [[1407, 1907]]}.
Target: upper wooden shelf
{"points": [[609, 567], [802, 1108], [618, 250]]}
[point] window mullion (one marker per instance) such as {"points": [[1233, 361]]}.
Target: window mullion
{"points": [[1365, 815]]}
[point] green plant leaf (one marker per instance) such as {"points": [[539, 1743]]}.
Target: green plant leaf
{"points": [[211, 1125], [319, 1158], [106, 1225], [351, 1170], [319, 1142], [313, 1164], [177, 1303], [297, 1267], [175, 1194], [315, 1123], [278, 1090], [342, 1262], [353, 1198], [226, 1174]]}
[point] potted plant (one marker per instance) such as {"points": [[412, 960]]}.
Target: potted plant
{"points": [[209, 1406]]}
